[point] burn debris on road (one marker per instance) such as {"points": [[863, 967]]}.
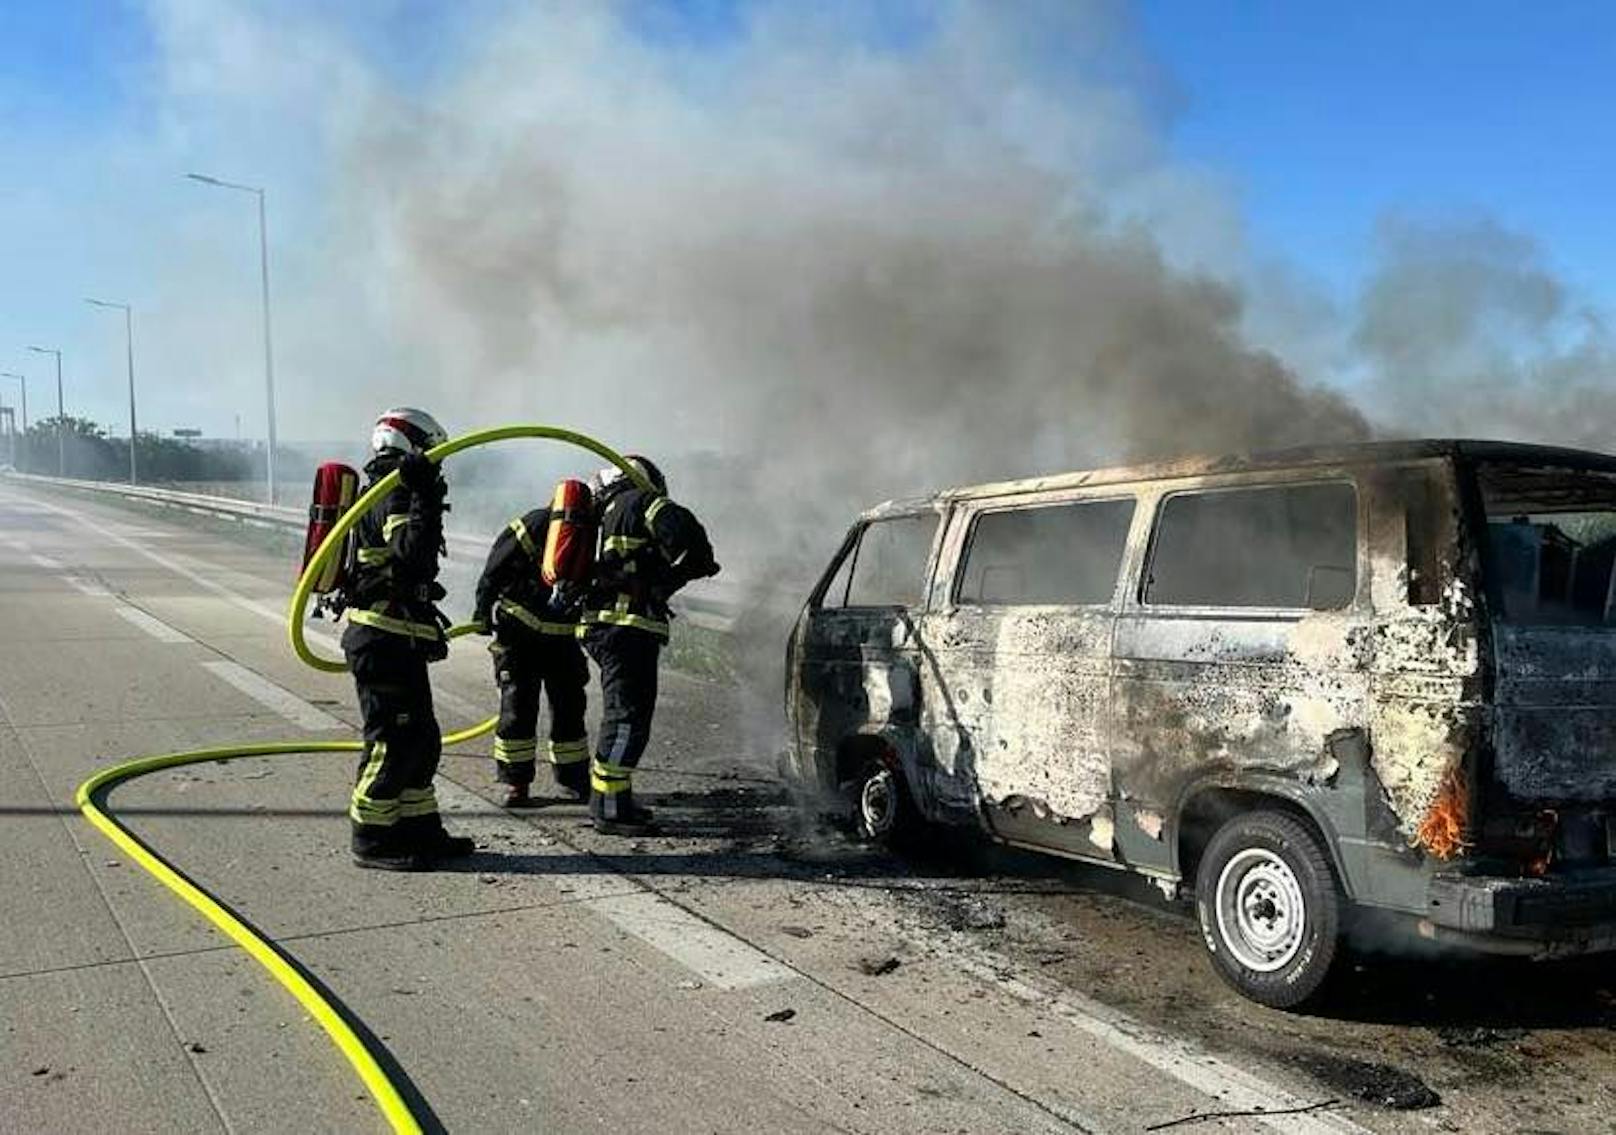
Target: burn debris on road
{"points": [[1380, 1084], [878, 966], [970, 913], [1479, 1037], [781, 1016]]}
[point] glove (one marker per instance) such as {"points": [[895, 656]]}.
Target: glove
{"points": [[419, 475]]}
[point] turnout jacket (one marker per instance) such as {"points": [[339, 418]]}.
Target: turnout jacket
{"points": [[650, 547], [394, 585], [512, 590]]}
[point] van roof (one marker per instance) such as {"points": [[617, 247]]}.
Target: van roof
{"points": [[1358, 453]]}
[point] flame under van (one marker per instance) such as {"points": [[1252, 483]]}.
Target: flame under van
{"points": [[1302, 685]]}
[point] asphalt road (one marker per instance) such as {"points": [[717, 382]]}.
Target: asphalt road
{"points": [[750, 969]]}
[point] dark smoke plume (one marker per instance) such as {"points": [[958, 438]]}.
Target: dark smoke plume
{"points": [[1466, 330], [850, 271]]}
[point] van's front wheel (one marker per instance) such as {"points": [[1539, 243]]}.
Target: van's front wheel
{"points": [[882, 808], [1269, 908]]}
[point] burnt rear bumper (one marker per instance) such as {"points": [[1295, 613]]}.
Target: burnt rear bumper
{"points": [[1561, 915]]}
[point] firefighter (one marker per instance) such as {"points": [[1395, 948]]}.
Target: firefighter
{"points": [[535, 647], [394, 630], [649, 548]]}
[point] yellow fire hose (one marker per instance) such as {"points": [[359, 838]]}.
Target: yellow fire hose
{"points": [[389, 1099]]}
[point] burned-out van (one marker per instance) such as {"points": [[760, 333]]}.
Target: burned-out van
{"points": [[1379, 676]]}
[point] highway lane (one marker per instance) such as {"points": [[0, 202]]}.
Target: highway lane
{"points": [[563, 981]]}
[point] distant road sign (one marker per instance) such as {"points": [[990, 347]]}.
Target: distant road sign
{"points": [[187, 433]]}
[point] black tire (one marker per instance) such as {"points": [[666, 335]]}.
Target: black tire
{"points": [[883, 810], [1270, 909]]}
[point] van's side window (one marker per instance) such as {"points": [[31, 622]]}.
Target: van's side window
{"points": [[1292, 546], [888, 564], [1065, 554]]}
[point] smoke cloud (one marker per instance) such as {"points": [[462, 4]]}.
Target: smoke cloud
{"points": [[1465, 329], [850, 267]]}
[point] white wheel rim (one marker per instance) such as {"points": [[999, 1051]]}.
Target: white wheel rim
{"points": [[876, 803], [1261, 912]]}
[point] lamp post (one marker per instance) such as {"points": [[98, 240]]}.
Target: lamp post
{"points": [[129, 344], [263, 264], [61, 414], [23, 382]]}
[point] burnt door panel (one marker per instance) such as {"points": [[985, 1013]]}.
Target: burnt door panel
{"points": [[1248, 649], [1018, 669]]}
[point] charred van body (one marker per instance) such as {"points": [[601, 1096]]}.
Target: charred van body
{"points": [[1379, 676]]}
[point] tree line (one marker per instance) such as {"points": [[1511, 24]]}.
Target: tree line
{"points": [[91, 455]]}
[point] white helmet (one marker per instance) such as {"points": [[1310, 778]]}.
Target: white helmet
{"points": [[406, 430], [646, 468]]}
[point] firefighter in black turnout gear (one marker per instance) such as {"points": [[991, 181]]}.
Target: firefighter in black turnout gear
{"points": [[394, 630], [649, 548], [535, 648]]}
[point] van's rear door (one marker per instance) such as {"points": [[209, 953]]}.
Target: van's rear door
{"points": [[1548, 557]]}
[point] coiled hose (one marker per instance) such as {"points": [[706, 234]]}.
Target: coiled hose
{"points": [[390, 1100]]}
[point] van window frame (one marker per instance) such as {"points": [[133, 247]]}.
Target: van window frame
{"points": [[1360, 566], [968, 541], [850, 547]]}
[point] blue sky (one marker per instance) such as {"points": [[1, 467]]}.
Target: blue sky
{"points": [[1328, 115], [1319, 118]]}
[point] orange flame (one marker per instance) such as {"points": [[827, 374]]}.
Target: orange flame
{"points": [[1443, 831]]}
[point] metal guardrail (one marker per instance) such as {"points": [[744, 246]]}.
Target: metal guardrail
{"points": [[706, 605]]}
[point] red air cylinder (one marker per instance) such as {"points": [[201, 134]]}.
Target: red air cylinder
{"points": [[336, 487], [569, 542]]}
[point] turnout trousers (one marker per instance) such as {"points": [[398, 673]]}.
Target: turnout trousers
{"points": [[627, 658], [526, 664], [394, 808]]}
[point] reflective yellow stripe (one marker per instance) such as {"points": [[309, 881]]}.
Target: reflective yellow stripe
{"points": [[373, 556], [608, 779], [395, 626], [567, 752], [376, 813], [373, 768], [620, 616], [656, 506], [515, 751], [625, 543], [417, 802], [525, 538], [527, 618], [364, 809], [394, 521]]}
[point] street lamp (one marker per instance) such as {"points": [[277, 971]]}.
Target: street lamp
{"points": [[23, 382], [129, 342], [61, 414], [263, 262]]}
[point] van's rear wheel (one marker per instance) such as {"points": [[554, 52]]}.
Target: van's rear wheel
{"points": [[882, 808], [1270, 909]]}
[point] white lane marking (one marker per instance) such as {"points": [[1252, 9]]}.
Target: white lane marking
{"points": [[267, 693], [327, 643], [155, 627], [77, 582], [718, 957], [107, 531], [1183, 1060]]}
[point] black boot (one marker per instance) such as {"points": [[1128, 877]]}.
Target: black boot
{"points": [[446, 846], [384, 852], [424, 836], [618, 814]]}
